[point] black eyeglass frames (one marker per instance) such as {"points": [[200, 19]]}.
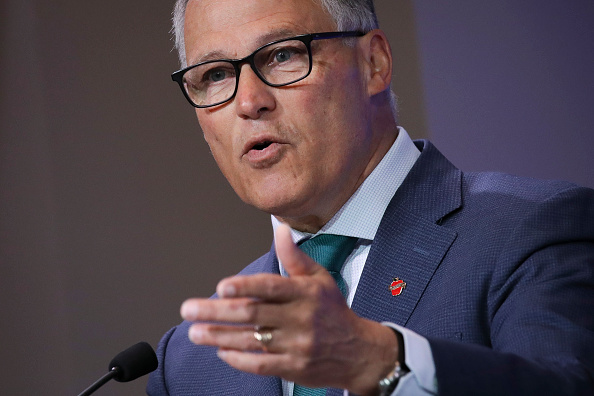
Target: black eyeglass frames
{"points": [[279, 63]]}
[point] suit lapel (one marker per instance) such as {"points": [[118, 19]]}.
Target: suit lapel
{"points": [[409, 243]]}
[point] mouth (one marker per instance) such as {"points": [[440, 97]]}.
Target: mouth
{"points": [[261, 145], [263, 151]]}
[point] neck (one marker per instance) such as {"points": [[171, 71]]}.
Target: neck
{"points": [[313, 222]]}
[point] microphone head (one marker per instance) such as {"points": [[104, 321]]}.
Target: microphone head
{"points": [[136, 361]]}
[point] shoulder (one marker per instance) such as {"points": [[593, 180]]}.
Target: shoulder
{"points": [[519, 188], [519, 199], [265, 263]]}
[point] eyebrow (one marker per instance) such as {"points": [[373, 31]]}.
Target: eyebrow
{"points": [[264, 39]]}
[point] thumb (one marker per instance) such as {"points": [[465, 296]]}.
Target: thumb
{"points": [[294, 260]]}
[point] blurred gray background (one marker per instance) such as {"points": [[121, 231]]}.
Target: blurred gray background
{"points": [[112, 211]]}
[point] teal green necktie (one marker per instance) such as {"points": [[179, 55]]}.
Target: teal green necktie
{"points": [[330, 251]]}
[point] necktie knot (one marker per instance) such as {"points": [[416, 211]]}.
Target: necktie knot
{"points": [[330, 251]]}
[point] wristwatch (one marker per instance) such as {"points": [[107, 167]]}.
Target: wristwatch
{"points": [[388, 384]]}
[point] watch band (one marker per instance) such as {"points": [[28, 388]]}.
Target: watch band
{"points": [[388, 384]]}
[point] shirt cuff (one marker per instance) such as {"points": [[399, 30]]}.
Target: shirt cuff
{"points": [[419, 359]]}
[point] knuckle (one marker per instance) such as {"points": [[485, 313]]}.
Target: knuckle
{"points": [[235, 305], [244, 309], [273, 286], [317, 290], [250, 311], [305, 347], [260, 368], [302, 365]]}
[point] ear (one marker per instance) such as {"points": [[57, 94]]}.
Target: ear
{"points": [[378, 59]]}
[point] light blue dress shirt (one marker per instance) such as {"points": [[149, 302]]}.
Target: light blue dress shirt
{"points": [[360, 218]]}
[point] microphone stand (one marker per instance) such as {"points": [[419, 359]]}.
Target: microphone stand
{"points": [[101, 381]]}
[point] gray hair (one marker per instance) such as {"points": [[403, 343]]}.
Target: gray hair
{"points": [[347, 14]]}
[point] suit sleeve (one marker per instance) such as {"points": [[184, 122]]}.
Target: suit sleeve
{"points": [[156, 385], [541, 310]]}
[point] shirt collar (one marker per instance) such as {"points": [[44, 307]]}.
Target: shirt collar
{"points": [[361, 215]]}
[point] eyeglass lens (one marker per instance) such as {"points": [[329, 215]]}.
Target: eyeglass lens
{"points": [[277, 64]]}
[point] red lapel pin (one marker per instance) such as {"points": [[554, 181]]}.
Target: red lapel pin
{"points": [[397, 286]]}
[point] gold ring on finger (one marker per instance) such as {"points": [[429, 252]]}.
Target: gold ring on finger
{"points": [[263, 335]]}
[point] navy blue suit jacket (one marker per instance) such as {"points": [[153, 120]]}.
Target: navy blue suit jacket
{"points": [[500, 280]]}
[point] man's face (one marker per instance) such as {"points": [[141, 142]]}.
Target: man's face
{"points": [[298, 151]]}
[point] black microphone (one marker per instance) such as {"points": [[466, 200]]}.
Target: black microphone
{"points": [[134, 362]]}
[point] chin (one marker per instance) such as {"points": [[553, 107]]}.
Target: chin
{"points": [[281, 205]]}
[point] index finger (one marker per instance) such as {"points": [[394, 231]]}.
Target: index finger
{"points": [[267, 287], [230, 311]]}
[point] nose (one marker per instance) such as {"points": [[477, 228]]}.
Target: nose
{"points": [[253, 98]]}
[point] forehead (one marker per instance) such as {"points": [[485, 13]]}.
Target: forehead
{"points": [[237, 27]]}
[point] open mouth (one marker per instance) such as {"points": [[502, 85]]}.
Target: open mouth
{"points": [[261, 145], [263, 151]]}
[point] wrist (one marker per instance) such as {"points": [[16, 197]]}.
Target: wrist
{"points": [[388, 384], [380, 359]]}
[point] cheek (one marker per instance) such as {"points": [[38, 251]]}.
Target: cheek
{"points": [[215, 128], [336, 97], [208, 125], [219, 140]]}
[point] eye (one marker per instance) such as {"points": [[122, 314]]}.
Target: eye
{"points": [[216, 75], [212, 73], [282, 55]]}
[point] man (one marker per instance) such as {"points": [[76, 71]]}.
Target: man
{"points": [[453, 284]]}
